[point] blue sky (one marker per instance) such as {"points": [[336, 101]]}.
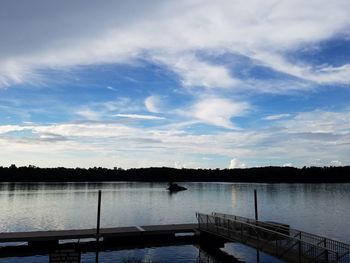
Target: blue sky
{"points": [[175, 83]]}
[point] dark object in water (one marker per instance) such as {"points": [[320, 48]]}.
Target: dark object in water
{"points": [[175, 187]]}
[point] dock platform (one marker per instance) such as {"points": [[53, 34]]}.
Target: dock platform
{"points": [[212, 230]]}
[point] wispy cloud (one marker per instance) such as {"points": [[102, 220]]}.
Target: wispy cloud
{"points": [[198, 73], [139, 116], [204, 75], [189, 28], [277, 117], [88, 114], [320, 74], [319, 121], [111, 88], [106, 142]]}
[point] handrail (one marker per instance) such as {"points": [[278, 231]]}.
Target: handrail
{"points": [[219, 223], [272, 232], [328, 243]]}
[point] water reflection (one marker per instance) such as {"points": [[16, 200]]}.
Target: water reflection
{"points": [[321, 209], [178, 254], [233, 196]]}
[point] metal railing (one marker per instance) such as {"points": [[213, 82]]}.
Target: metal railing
{"points": [[269, 238], [341, 248]]}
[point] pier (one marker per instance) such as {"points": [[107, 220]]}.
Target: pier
{"points": [[83, 240], [278, 240], [212, 230]]}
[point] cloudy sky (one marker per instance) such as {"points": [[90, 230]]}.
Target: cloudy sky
{"points": [[184, 83]]}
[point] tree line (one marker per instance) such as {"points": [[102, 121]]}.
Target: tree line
{"points": [[271, 174]]}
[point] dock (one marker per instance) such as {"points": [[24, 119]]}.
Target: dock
{"points": [[212, 231], [87, 240], [36, 237]]}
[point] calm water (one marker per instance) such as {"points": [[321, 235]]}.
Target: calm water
{"points": [[321, 209]]}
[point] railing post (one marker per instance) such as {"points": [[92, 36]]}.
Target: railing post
{"points": [[98, 226], [241, 231], [258, 246], [299, 250], [276, 242], [217, 220], [326, 250], [256, 205]]}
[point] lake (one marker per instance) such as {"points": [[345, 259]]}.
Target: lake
{"points": [[318, 208]]}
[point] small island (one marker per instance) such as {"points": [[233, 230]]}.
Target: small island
{"points": [[175, 188]]}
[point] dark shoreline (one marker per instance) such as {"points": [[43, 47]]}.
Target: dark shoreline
{"points": [[271, 174]]}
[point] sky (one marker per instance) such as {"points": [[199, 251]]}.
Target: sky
{"points": [[186, 83]]}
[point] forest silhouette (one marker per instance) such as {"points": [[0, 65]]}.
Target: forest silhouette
{"points": [[271, 174]]}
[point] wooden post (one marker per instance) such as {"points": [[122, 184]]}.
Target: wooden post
{"points": [[256, 205], [98, 215], [98, 225], [256, 218]]}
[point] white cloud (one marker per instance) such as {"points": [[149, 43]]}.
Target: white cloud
{"points": [[88, 114], [277, 117], [218, 111], [12, 128], [120, 104], [197, 73], [111, 88], [318, 74], [68, 34], [139, 116], [235, 163], [336, 163], [318, 121], [152, 103], [104, 110], [189, 37], [105, 143], [309, 138]]}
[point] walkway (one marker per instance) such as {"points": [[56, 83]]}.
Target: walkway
{"points": [[276, 239]]}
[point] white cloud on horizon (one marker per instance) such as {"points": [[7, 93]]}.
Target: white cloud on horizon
{"points": [[86, 144], [235, 163], [336, 163]]}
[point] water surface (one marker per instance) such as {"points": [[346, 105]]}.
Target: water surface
{"points": [[318, 208]]}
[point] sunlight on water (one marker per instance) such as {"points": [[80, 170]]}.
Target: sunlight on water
{"points": [[320, 209]]}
